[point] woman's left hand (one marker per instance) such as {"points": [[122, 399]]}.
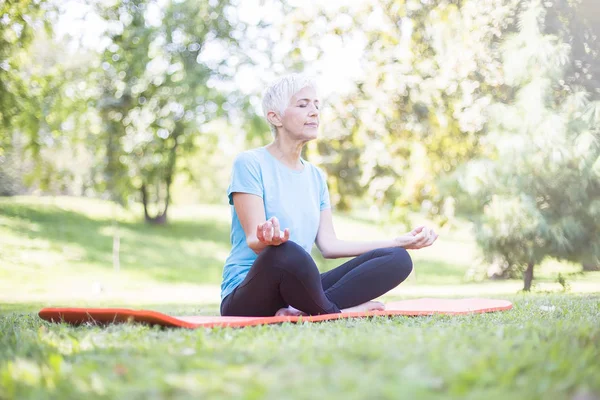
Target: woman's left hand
{"points": [[418, 238]]}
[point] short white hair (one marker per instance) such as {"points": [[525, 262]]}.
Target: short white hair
{"points": [[278, 94]]}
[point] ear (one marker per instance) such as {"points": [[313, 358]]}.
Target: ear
{"points": [[274, 118]]}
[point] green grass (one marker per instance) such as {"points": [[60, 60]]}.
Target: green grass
{"points": [[42, 234], [545, 348], [58, 251]]}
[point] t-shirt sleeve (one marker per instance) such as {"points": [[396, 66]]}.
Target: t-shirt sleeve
{"points": [[245, 176], [325, 202]]}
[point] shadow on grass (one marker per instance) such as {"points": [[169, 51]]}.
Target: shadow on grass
{"points": [[181, 251], [431, 271]]}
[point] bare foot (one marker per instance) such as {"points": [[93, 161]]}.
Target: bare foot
{"points": [[289, 311], [368, 306]]}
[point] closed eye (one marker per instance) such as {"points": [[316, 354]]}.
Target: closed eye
{"points": [[317, 106]]}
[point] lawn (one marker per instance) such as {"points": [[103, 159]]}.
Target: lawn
{"points": [[58, 251], [545, 348]]}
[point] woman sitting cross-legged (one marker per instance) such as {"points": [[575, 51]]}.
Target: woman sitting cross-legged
{"points": [[281, 207]]}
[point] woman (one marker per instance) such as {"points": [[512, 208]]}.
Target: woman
{"points": [[281, 207]]}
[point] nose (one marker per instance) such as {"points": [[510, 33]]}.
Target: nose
{"points": [[314, 111]]}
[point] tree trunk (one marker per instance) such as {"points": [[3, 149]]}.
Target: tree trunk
{"points": [[590, 263], [116, 241], [161, 218], [528, 277], [145, 201], [590, 267]]}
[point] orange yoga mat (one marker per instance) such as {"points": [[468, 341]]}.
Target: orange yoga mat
{"points": [[425, 306]]}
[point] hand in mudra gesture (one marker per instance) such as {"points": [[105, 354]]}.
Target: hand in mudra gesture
{"points": [[270, 233], [417, 238]]}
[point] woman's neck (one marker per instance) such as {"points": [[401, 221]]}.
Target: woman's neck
{"points": [[286, 151]]}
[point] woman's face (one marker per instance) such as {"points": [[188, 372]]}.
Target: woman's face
{"points": [[301, 117]]}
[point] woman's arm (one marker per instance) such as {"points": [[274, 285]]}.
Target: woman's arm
{"points": [[332, 247], [259, 233]]}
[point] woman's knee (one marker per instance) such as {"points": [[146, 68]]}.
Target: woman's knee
{"points": [[287, 255], [401, 264]]}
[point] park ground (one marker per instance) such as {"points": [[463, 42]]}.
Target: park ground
{"points": [[58, 251]]}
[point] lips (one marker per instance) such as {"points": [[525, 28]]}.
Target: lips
{"points": [[312, 124]]}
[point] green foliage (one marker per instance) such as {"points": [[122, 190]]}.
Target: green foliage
{"points": [[19, 90], [539, 193], [114, 125], [431, 70], [17, 29], [156, 93]]}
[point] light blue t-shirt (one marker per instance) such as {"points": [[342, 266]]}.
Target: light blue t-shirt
{"points": [[296, 198]]}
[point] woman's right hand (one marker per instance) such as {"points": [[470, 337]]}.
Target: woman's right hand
{"points": [[269, 233], [417, 238]]}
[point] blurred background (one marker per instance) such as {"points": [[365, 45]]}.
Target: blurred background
{"points": [[120, 119]]}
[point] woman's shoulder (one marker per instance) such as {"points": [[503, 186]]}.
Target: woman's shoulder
{"points": [[250, 156]]}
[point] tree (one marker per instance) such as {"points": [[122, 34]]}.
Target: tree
{"points": [[430, 70], [19, 21], [157, 93], [539, 190]]}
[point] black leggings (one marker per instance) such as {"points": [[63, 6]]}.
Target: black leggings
{"points": [[286, 275]]}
